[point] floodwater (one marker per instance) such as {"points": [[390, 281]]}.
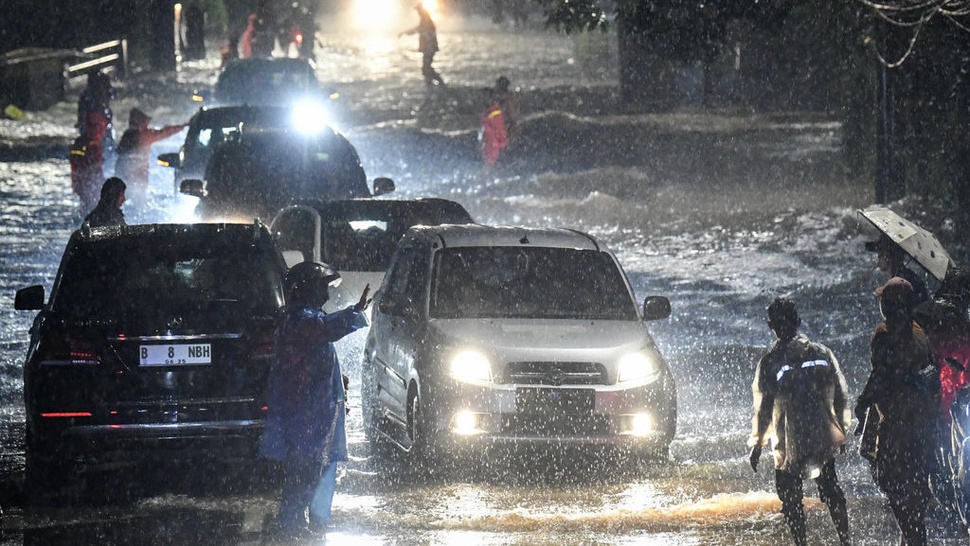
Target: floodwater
{"points": [[719, 211]]}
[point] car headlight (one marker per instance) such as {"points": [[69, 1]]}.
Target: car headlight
{"points": [[470, 367], [309, 117], [639, 367]]}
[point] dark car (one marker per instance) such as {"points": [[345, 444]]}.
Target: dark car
{"points": [[155, 342], [357, 236], [257, 173], [272, 80], [210, 126]]}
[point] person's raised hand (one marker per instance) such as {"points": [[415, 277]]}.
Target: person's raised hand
{"points": [[363, 302]]}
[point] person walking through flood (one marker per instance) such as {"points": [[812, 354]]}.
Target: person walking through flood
{"points": [[87, 161], [509, 104], [306, 398], [133, 153], [800, 402], [427, 45], [108, 210], [904, 390], [492, 135], [96, 98]]}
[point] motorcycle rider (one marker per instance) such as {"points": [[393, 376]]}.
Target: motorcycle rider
{"points": [[306, 397], [800, 397]]}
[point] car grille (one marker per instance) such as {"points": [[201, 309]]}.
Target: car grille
{"points": [[557, 425], [554, 373]]}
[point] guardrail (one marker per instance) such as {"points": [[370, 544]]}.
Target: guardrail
{"points": [[113, 54]]}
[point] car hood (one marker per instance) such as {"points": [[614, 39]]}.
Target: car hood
{"points": [[545, 339]]}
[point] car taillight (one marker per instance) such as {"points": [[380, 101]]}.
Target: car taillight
{"points": [[298, 38], [71, 352]]}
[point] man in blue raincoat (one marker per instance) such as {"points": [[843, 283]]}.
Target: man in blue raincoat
{"points": [[305, 422]]}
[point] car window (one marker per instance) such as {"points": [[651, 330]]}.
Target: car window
{"points": [[295, 231], [517, 282], [358, 245], [405, 284], [115, 279]]}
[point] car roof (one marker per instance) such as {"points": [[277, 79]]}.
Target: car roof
{"points": [[237, 110], [470, 235], [162, 232], [255, 63], [422, 206]]}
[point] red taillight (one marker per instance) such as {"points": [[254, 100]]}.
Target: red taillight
{"points": [[55, 414], [298, 38], [71, 351]]}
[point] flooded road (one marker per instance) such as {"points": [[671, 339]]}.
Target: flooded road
{"points": [[721, 212]]}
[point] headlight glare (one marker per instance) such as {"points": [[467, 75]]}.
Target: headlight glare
{"points": [[470, 367], [637, 366]]}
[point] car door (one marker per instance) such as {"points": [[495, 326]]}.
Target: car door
{"points": [[397, 325]]}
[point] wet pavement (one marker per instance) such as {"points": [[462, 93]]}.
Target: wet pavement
{"points": [[719, 211]]}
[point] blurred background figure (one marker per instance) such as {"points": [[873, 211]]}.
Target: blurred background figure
{"points": [[87, 161], [427, 45], [509, 104], [193, 22], [133, 151], [96, 98], [108, 210], [492, 136]]}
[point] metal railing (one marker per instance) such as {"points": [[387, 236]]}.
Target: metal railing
{"points": [[113, 54]]}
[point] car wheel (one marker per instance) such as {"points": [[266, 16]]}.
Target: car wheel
{"points": [[420, 452]]}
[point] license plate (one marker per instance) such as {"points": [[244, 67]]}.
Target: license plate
{"points": [[554, 401], [175, 355]]}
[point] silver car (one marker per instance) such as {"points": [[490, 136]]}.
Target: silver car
{"points": [[506, 336]]}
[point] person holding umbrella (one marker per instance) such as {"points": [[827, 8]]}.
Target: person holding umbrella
{"points": [[892, 259]]}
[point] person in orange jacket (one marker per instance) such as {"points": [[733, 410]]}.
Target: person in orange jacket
{"points": [[493, 136], [87, 161], [133, 151]]}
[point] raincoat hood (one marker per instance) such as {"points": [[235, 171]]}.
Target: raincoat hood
{"points": [[137, 118]]}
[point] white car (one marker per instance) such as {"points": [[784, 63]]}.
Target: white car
{"points": [[506, 336]]}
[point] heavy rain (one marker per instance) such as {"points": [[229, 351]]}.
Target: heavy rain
{"points": [[719, 208]]}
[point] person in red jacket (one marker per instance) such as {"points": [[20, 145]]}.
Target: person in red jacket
{"points": [[493, 136], [133, 151], [87, 161]]}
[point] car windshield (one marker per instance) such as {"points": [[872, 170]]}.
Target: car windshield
{"points": [[120, 278], [264, 82], [519, 282], [213, 127]]}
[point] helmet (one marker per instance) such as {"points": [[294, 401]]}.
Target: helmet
{"points": [[308, 283]]}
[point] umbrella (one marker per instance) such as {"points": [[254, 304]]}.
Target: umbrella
{"points": [[919, 243]]}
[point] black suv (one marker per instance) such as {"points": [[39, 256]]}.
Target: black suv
{"points": [[156, 340], [257, 173]]}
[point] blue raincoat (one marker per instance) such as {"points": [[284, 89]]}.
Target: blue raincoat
{"points": [[305, 420]]}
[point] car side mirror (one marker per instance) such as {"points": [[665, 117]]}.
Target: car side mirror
{"points": [[656, 308], [193, 187], [171, 159], [398, 308], [29, 299], [382, 186]]}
